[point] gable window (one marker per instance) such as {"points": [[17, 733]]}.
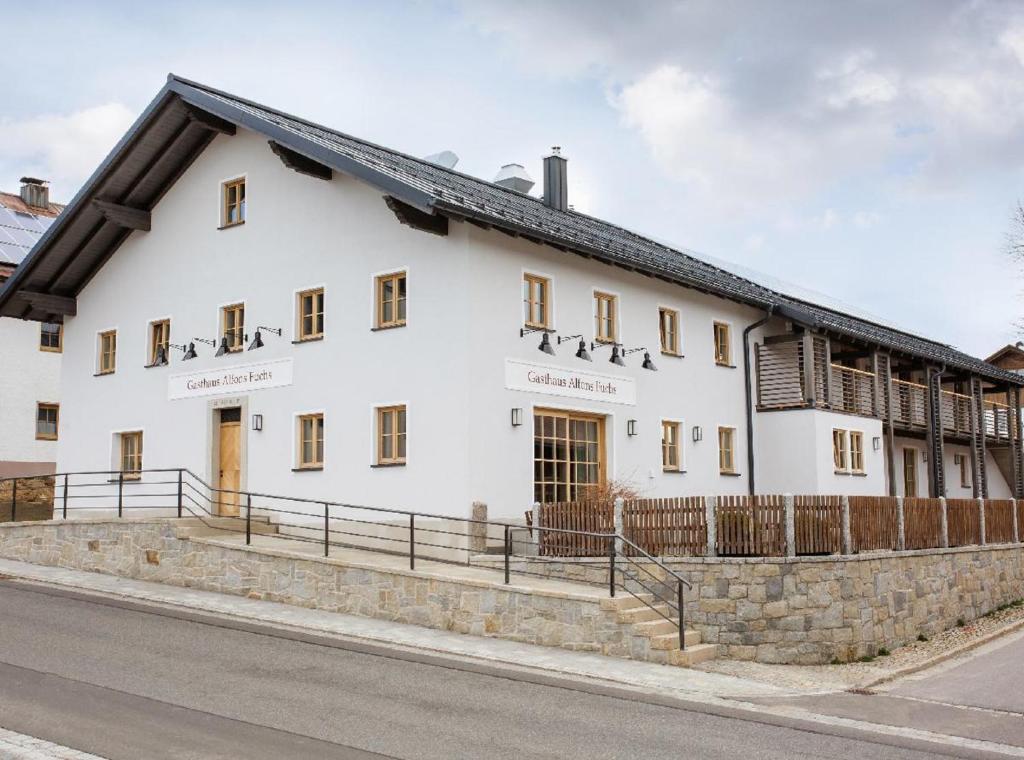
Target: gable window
{"points": [[108, 352], [671, 459], [391, 435], [311, 441], [668, 325], [159, 341], [51, 336], [391, 293], [839, 453], [605, 316], [47, 418], [723, 345], [311, 314], [909, 472], [535, 301], [727, 450], [856, 451], [233, 325], [233, 208], [131, 455]]}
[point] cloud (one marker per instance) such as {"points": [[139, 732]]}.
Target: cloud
{"points": [[62, 148]]}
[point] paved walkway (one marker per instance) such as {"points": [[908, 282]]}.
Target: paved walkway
{"points": [[15, 746]]}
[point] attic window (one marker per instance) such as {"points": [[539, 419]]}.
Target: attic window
{"points": [[233, 204]]}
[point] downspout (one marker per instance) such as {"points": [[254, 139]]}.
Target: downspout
{"points": [[749, 391]]}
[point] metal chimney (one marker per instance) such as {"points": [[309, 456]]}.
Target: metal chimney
{"points": [[35, 193], [556, 193]]}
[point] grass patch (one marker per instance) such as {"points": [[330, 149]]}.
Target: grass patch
{"points": [[866, 658]]}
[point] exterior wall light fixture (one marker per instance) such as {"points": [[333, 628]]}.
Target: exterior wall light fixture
{"points": [[876, 443], [545, 341], [201, 340], [698, 433], [223, 347], [581, 352], [630, 427], [257, 422], [257, 342], [648, 364], [616, 357], [517, 416], [188, 352]]}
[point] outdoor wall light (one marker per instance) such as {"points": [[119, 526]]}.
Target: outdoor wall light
{"points": [[924, 455], [876, 443], [630, 427], [581, 352], [698, 433], [192, 347], [517, 416], [648, 364], [545, 341], [257, 422], [185, 350], [616, 357], [223, 347], [257, 342]]}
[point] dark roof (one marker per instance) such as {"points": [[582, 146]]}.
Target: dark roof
{"points": [[21, 226], [168, 136]]}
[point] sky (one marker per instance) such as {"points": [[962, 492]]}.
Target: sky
{"points": [[872, 151]]}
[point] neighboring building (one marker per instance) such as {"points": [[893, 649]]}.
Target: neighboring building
{"points": [[30, 365], [374, 322]]}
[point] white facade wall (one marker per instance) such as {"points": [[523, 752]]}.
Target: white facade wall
{"points": [[998, 488], [28, 376]]}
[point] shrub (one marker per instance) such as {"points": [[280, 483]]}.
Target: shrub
{"points": [[882, 652]]}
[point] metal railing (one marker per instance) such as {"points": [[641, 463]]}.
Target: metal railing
{"points": [[180, 493]]}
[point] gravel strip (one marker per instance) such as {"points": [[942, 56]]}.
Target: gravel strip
{"points": [[858, 675]]}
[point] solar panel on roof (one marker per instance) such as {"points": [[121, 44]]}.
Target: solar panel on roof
{"points": [[19, 231]]}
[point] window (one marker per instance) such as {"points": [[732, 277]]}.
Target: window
{"points": [[391, 292], [159, 341], [965, 481], [670, 451], [51, 336], [839, 453], [47, 418], [391, 435], [910, 472], [568, 456], [668, 324], [723, 345], [311, 314], [108, 352], [856, 451], [535, 301], [233, 326], [727, 450], [605, 318], [311, 440], [131, 455], [234, 203]]}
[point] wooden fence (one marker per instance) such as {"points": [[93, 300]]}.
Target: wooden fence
{"points": [[964, 521], [586, 516], [667, 527], [922, 520], [999, 520], [818, 524], [874, 523]]}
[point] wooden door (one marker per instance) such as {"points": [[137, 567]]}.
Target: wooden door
{"points": [[230, 464], [910, 472], [568, 455]]}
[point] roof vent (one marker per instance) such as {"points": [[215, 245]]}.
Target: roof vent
{"points": [[35, 193], [555, 190], [514, 177], [445, 158]]}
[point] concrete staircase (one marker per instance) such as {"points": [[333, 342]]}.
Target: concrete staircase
{"points": [[217, 526], [647, 621]]}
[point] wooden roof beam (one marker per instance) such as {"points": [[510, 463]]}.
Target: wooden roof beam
{"points": [[51, 304], [208, 120], [300, 163], [124, 216], [436, 224]]}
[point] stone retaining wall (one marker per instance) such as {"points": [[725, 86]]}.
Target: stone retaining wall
{"points": [[813, 610], [161, 550]]}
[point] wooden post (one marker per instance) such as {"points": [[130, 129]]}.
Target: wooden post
{"points": [[945, 522], [1013, 422], [847, 545], [981, 523], [809, 385], [790, 516], [890, 435], [710, 515], [901, 525], [827, 379], [933, 415]]}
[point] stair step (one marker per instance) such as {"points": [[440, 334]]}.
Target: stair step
{"points": [[644, 613], [655, 627], [627, 602], [670, 641], [693, 655]]}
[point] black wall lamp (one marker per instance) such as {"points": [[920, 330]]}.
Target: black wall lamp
{"points": [[581, 352], [648, 364], [257, 422], [188, 352], [517, 416], [631, 427], [201, 340], [697, 433], [545, 342], [257, 342], [223, 349], [616, 357]]}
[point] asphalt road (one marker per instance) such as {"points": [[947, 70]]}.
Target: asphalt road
{"points": [[130, 683]]}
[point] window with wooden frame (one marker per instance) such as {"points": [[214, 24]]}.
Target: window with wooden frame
{"points": [[51, 337], [671, 450], [840, 457], [233, 203], [159, 341], [131, 455], [311, 314], [568, 455], [311, 441], [107, 352], [232, 326], [727, 450], [605, 317], [668, 328], [965, 480], [723, 344], [47, 421], [391, 435], [391, 294], [909, 472], [856, 451], [536, 301]]}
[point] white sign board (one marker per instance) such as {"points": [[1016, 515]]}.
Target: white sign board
{"points": [[237, 379], [558, 381]]}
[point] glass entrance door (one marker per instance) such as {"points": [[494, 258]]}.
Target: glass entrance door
{"points": [[568, 455]]}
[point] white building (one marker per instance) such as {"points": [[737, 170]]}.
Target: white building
{"points": [[29, 351], [402, 377]]}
